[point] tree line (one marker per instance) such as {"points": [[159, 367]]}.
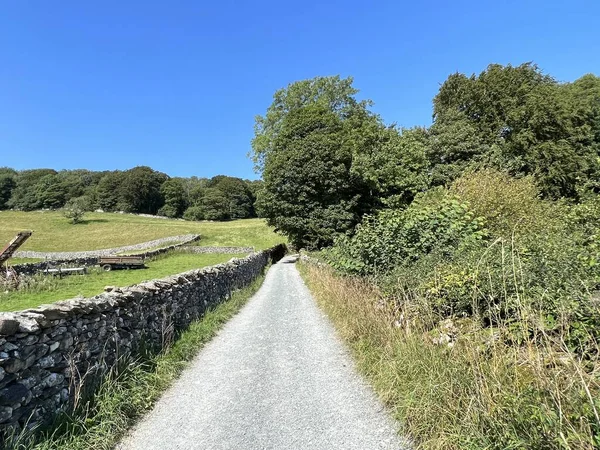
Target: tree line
{"points": [[327, 159], [137, 190], [472, 245]]}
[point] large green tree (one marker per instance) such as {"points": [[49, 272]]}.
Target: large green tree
{"points": [[395, 166], [240, 203], [214, 204], [50, 193], [333, 93], [108, 191], [317, 147], [174, 194], [309, 192], [515, 118], [7, 184], [140, 190], [29, 190]]}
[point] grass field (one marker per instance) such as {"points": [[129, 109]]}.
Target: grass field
{"points": [[53, 232], [48, 289]]}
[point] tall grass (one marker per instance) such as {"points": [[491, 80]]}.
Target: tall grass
{"points": [[131, 390], [459, 383]]}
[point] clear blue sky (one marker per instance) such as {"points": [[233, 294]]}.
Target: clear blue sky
{"points": [[176, 84]]}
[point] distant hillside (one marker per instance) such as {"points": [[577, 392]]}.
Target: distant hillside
{"points": [[137, 190]]}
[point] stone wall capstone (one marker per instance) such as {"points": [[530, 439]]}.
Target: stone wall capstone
{"points": [[47, 352]]}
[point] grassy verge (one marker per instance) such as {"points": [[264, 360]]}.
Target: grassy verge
{"points": [[475, 391], [125, 397], [53, 232], [47, 289]]}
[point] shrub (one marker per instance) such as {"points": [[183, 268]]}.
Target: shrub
{"points": [[491, 249], [194, 213], [168, 211], [435, 222], [508, 204], [75, 209], [585, 218]]}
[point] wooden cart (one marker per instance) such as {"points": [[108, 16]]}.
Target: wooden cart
{"points": [[121, 262]]}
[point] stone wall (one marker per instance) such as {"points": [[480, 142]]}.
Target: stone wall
{"points": [[46, 352], [33, 268], [221, 250], [139, 247]]}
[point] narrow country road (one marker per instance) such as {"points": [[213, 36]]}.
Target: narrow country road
{"points": [[276, 377]]}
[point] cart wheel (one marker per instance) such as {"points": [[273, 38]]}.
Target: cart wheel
{"points": [[107, 267]]}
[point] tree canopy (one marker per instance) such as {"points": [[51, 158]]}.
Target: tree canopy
{"points": [[137, 190], [326, 159], [306, 146]]}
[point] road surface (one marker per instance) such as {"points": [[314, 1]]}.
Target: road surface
{"points": [[275, 377]]}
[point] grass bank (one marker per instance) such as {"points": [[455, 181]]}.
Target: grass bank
{"points": [[53, 232], [129, 394], [461, 386], [47, 289]]}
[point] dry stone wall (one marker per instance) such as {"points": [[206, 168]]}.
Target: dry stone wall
{"points": [[48, 353], [221, 250], [33, 268]]}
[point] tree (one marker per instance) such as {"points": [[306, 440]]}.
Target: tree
{"points": [[333, 93], [140, 190], [215, 204], [194, 213], [49, 192], [26, 194], [397, 168], [455, 145], [514, 118], [255, 186], [108, 191], [7, 184], [584, 103], [173, 192], [75, 208], [239, 197], [77, 183], [309, 192]]}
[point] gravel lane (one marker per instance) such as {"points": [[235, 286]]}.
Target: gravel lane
{"points": [[275, 377]]}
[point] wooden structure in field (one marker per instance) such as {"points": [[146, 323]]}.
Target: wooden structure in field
{"points": [[13, 246]]}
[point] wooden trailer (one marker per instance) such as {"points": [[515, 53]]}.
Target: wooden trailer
{"points": [[121, 262]]}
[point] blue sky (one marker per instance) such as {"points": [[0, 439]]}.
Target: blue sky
{"points": [[176, 84]]}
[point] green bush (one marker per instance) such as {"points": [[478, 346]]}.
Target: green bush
{"points": [[194, 213], [434, 222], [75, 209], [168, 211], [509, 205], [490, 248], [585, 218]]}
